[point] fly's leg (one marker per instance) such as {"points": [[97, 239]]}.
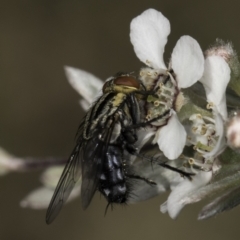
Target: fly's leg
{"points": [[163, 164], [148, 181], [147, 123]]}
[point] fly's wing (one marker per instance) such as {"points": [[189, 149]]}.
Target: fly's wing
{"points": [[91, 169], [93, 156], [88, 154], [69, 177]]}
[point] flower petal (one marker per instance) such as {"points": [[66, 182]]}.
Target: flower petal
{"points": [[215, 80], [148, 35], [6, 160], [187, 61], [84, 104], [176, 201], [85, 83], [51, 175], [163, 207], [40, 197], [171, 138]]}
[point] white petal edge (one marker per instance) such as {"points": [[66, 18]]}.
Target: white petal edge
{"points": [[40, 197], [215, 80], [85, 83], [171, 138], [84, 104], [5, 161], [163, 207], [175, 201], [50, 177], [148, 35], [187, 61]]}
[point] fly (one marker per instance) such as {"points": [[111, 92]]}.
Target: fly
{"points": [[105, 142]]}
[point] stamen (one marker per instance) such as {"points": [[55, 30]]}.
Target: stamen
{"points": [[200, 151], [149, 117], [209, 119], [210, 105], [167, 105], [167, 96], [197, 165], [174, 82], [167, 89], [156, 103], [204, 129]]}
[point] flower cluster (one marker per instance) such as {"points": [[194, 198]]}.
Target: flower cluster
{"points": [[198, 129], [205, 132]]}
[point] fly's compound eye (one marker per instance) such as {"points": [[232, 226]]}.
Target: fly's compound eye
{"points": [[127, 81], [106, 85]]}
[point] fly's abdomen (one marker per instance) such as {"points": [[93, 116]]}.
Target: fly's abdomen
{"points": [[112, 182]]}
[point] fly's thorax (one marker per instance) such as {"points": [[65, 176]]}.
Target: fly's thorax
{"points": [[107, 115], [118, 99]]}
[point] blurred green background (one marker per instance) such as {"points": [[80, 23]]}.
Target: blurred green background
{"points": [[40, 112]]}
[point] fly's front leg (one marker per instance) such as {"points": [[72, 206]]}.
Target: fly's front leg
{"points": [[147, 123], [134, 108]]}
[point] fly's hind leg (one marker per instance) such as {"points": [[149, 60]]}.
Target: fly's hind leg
{"points": [[148, 181], [165, 165]]}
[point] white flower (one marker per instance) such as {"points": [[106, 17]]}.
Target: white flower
{"points": [[207, 136], [202, 166], [148, 34]]}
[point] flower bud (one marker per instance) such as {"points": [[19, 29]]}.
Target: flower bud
{"points": [[233, 131]]}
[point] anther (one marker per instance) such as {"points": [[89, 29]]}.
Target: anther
{"points": [[191, 161], [148, 117], [210, 105], [156, 103]]}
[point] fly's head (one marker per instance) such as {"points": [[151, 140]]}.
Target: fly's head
{"points": [[123, 83]]}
